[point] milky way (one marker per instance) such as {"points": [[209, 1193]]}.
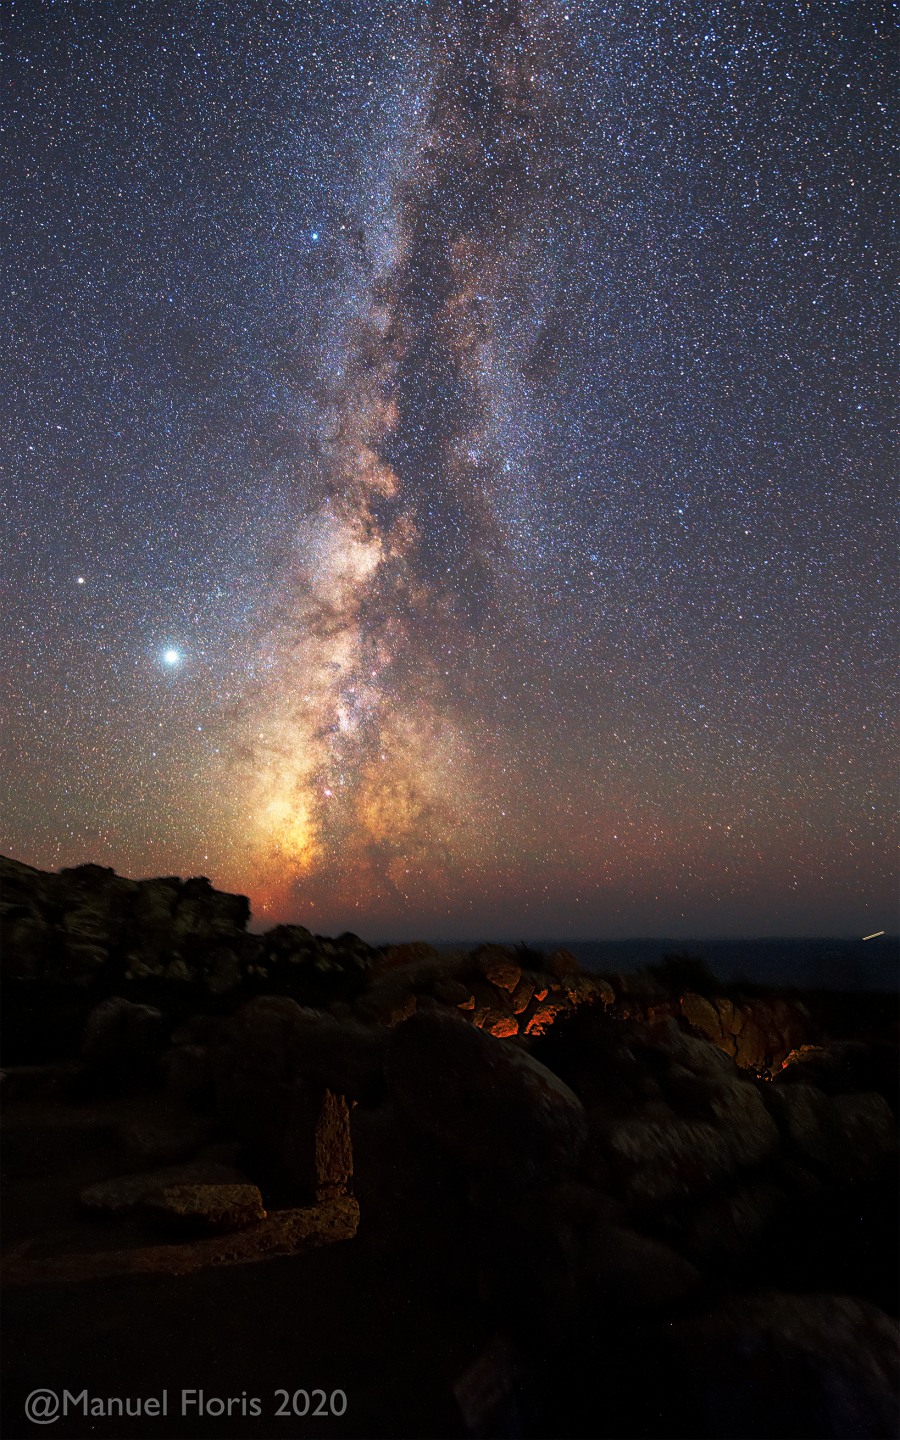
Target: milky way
{"points": [[448, 463], [367, 760]]}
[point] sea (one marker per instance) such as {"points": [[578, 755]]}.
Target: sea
{"points": [[837, 962]]}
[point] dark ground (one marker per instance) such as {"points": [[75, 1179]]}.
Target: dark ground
{"points": [[335, 1319], [322, 1319]]}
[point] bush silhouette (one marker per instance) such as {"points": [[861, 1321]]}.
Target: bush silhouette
{"points": [[683, 971]]}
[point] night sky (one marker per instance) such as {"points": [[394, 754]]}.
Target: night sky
{"points": [[447, 451]]}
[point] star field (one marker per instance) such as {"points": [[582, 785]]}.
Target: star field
{"points": [[448, 461]]}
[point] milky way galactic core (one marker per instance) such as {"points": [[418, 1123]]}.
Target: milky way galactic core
{"points": [[448, 460]]}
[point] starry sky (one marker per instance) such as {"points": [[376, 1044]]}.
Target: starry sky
{"points": [[447, 460]]}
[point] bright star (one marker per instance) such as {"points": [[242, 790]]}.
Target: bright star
{"points": [[171, 657]]}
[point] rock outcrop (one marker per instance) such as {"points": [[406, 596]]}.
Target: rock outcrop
{"points": [[85, 934]]}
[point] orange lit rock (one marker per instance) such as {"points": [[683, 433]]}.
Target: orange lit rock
{"points": [[584, 989], [499, 966], [759, 1034], [803, 1054], [522, 995], [504, 1027], [543, 1015]]}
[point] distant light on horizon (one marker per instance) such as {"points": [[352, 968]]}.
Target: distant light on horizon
{"points": [[874, 935]]}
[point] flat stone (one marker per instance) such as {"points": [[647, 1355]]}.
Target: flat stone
{"points": [[221, 1208], [123, 1193], [283, 1232]]}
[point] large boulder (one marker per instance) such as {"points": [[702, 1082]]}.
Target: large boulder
{"points": [[122, 1038], [274, 1036], [26, 944], [846, 1139], [163, 1138], [489, 1103], [659, 1163], [282, 1076], [724, 1228], [698, 1072], [634, 1274], [769, 1365], [413, 1196]]}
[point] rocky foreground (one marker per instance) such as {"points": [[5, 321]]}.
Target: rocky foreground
{"points": [[649, 1208]]}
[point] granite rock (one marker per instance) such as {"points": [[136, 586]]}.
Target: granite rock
{"points": [[635, 1274], [771, 1364], [125, 1192], [121, 1037], [486, 1102], [219, 1208]]}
